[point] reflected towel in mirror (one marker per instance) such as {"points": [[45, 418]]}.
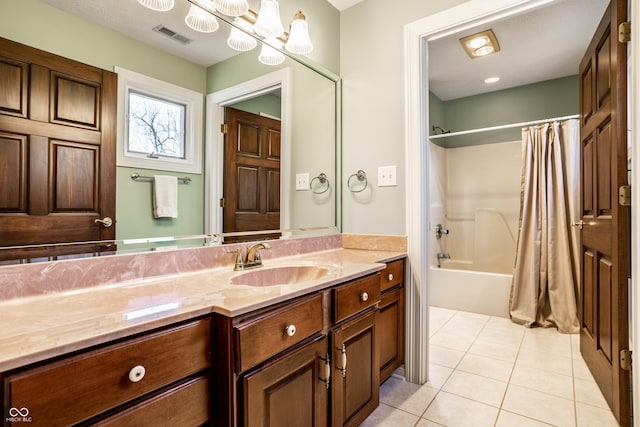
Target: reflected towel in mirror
{"points": [[165, 196]]}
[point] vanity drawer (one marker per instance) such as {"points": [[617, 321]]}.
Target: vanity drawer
{"points": [[392, 275], [259, 339], [355, 297], [79, 387], [186, 404]]}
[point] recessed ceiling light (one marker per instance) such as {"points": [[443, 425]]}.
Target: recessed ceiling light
{"points": [[480, 44], [490, 80]]}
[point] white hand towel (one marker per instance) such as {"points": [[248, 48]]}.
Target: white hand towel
{"points": [[165, 196]]}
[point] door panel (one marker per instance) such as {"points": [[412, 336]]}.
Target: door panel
{"points": [[605, 234], [252, 172], [57, 145]]}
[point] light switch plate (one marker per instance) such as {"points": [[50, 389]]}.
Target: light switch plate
{"points": [[386, 176], [302, 182]]}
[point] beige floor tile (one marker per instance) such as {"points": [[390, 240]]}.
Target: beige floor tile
{"points": [[509, 419], [438, 375], [590, 416], [409, 397], [545, 362], [539, 406], [588, 392], [486, 366], [580, 369], [455, 411], [452, 341], [511, 337], [546, 382], [547, 341], [386, 416], [475, 387], [444, 356], [503, 324], [497, 351], [427, 423]]}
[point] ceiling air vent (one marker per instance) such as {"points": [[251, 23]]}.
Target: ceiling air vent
{"points": [[172, 34]]}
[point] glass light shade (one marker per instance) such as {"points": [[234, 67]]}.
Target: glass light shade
{"points": [[239, 40], [269, 55], [200, 20], [268, 24], [232, 7], [159, 5], [484, 50], [299, 41], [478, 42]]}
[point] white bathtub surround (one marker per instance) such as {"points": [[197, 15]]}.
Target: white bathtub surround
{"points": [[544, 288], [455, 286]]}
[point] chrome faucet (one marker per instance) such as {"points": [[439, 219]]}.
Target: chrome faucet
{"points": [[251, 259], [442, 256]]}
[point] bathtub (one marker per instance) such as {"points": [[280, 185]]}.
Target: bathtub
{"points": [[456, 286]]}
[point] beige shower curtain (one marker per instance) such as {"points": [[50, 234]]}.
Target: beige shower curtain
{"points": [[543, 291]]}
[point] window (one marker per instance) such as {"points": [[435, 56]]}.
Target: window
{"points": [[159, 124]]}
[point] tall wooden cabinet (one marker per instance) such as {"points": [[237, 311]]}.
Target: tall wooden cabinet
{"points": [[391, 320]]}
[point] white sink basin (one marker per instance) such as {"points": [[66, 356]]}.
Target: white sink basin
{"points": [[285, 275]]}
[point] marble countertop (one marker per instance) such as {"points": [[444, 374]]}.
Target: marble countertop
{"points": [[44, 326]]}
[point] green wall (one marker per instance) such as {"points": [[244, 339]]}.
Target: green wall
{"points": [[538, 101], [268, 104]]}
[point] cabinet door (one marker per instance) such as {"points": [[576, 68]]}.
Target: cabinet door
{"points": [[390, 330], [356, 370], [288, 392]]}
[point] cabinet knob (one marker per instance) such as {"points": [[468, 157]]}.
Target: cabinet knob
{"points": [[364, 296], [136, 373], [390, 276], [290, 330]]}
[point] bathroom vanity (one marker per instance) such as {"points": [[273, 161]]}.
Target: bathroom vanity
{"points": [[314, 350]]}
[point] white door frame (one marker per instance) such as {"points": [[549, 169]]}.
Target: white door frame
{"points": [[214, 140], [417, 34]]}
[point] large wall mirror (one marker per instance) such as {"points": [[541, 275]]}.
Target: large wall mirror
{"points": [[302, 97]]}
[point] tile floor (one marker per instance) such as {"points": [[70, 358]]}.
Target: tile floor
{"points": [[488, 371]]}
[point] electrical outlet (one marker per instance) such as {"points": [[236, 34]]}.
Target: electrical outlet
{"points": [[302, 182], [386, 176]]}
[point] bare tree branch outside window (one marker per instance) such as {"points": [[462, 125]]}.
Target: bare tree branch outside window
{"points": [[156, 126]]}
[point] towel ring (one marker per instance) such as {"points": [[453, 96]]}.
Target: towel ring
{"points": [[360, 176], [322, 178]]}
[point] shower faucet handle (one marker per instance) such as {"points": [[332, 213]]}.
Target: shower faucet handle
{"points": [[440, 230]]}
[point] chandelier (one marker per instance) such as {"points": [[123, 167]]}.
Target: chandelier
{"points": [[265, 24]]}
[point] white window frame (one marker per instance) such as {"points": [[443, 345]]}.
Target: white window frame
{"points": [[193, 101]]}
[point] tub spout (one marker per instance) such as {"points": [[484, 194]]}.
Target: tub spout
{"points": [[442, 256]]}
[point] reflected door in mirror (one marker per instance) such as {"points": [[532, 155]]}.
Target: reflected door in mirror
{"points": [[252, 172], [57, 148]]}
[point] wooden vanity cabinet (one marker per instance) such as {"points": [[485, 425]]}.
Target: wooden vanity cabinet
{"points": [[266, 376], [390, 328], [154, 377]]}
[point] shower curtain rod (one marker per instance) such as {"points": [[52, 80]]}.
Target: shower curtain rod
{"points": [[512, 125]]}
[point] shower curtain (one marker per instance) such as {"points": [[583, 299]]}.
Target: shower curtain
{"points": [[543, 291]]}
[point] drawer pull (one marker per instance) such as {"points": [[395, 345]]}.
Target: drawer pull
{"points": [[290, 330], [364, 296], [327, 371], [136, 373], [343, 369], [390, 276]]}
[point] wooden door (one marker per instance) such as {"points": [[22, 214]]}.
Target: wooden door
{"points": [[605, 235], [289, 392], [252, 172], [356, 385], [57, 148]]}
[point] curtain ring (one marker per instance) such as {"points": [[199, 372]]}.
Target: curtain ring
{"points": [[360, 176], [322, 178]]}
